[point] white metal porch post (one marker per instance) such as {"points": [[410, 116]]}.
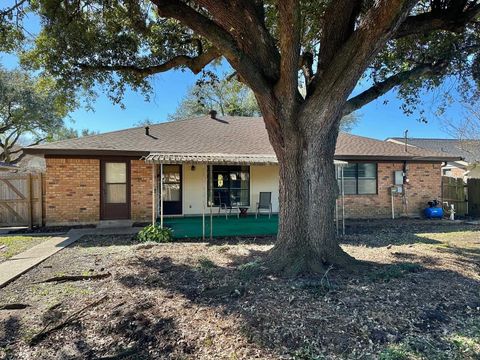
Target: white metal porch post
{"points": [[204, 200], [211, 202], [343, 205], [154, 202], [161, 195]]}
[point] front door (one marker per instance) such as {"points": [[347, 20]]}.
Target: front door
{"points": [[172, 189], [115, 189]]}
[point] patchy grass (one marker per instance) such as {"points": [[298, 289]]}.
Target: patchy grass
{"points": [[419, 299], [394, 271], [15, 244]]}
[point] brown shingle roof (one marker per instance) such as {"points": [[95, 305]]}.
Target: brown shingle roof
{"points": [[227, 135]]}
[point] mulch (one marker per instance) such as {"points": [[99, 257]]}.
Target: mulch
{"points": [[215, 300]]}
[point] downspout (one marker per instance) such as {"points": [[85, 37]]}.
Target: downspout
{"points": [[405, 178], [405, 182]]}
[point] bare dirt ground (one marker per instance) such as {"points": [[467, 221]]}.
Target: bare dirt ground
{"points": [[419, 298]]}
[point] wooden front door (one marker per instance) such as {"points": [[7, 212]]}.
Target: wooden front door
{"points": [[172, 189], [115, 189]]}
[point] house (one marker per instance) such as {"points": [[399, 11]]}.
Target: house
{"points": [[467, 150], [22, 163], [116, 175]]}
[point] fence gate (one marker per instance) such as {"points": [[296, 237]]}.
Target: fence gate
{"points": [[453, 191], [20, 199], [473, 197]]}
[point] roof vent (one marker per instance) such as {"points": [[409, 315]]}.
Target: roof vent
{"points": [[213, 114], [147, 130]]}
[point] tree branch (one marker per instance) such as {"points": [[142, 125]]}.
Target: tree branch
{"points": [[341, 75], [375, 28], [17, 5], [338, 26], [222, 39], [388, 84], [289, 44], [449, 19], [244, 20], [195, 64]]}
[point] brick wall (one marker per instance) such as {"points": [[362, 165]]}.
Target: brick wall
{"points": [[72, 191], [141, 190], [425, 184]]}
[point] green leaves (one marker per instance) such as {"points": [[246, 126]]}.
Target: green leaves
{"points": [[32, 107], [155, 233], [83, 44], [226, 96]]}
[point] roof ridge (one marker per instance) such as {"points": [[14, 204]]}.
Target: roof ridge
{"points": [[436, 139]]}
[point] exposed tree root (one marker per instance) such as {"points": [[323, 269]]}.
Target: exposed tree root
{"points": [[65, 278], [13, 306], [121, 355], [77, 315], [296, 263]]}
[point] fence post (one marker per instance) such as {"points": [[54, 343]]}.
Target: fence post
{"points": [[29, 200]]}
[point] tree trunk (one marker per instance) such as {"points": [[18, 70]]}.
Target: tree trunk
{"points": [[306, 241]]}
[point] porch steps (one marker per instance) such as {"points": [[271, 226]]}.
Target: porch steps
{"points": [[107, 224]]}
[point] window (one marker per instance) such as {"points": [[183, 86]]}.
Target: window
{"points": [[172, 183], [231, 185], [359, 179], [116, 182]]}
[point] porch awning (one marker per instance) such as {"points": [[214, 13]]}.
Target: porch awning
{"points": [[215, 159]]}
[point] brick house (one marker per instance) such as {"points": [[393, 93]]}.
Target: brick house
{"points": [[117, 175], [466, 149]]}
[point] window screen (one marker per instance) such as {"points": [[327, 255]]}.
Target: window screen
{"points": [[359, 179], [231, 185]]}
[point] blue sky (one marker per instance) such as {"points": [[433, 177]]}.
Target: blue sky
{"points": [[377, 119]]}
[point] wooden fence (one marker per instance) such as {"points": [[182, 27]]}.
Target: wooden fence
{"points": [[20, 199], [453, 191], [474, 197]]}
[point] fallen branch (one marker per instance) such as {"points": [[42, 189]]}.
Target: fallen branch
{"points": [[77, 315], [66, 278], [13, 306], [123, 354]]}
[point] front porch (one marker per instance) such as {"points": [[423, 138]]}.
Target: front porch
{"points": [[191, 226]]}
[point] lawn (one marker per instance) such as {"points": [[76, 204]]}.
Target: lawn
{"points": [[418, 298], [15, 244]]}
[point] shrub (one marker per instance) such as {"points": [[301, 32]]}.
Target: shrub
{"points": [[155, 233]]}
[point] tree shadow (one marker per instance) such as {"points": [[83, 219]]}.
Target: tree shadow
{"points": [[381, 304], [129, 240], [133, 330], [9, 334]]}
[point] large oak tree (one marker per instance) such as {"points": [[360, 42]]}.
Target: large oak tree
{"points": [[31, 110], [328, 45]]}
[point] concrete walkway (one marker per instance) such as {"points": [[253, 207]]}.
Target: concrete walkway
{"points": [[21, 263]]}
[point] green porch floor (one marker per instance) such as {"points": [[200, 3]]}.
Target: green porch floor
{"points": [[191, 227]]}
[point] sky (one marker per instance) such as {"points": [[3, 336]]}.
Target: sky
{"points": [[380, 119]]}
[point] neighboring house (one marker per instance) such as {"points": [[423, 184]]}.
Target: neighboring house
{"points": [[24, 163], [113, 175], [467, 150]]}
